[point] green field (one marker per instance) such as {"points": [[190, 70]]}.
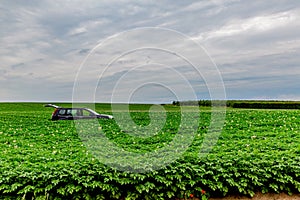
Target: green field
{"points": [[257, 151]]}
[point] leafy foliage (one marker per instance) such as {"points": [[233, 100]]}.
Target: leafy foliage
{"points": [[258, 150]]}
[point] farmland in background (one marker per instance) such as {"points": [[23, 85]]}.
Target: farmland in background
{"points": [[254, 104], [257, 151]]}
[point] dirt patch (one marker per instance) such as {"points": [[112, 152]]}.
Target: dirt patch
{"points": [[260, 196]]}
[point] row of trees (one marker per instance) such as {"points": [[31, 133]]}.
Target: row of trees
{"points": [[260, 104]]}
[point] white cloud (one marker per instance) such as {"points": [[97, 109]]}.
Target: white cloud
{"points": [[76, 31], [44, 42], [291, 97], [251, 25]]}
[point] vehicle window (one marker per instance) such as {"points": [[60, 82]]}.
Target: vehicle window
{"points": [[87, 113], [77, 112], [69, 112], [62, 111]]}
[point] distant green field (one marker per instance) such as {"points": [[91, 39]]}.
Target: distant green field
{"points": [[258, 150]]}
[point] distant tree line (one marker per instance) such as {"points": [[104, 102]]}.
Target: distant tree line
{"points": [[259, 104]]}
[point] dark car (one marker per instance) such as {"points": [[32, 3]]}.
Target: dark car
{"points": [[75, 113]]}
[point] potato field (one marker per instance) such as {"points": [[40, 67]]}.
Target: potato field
{"points": [[258, 150]]}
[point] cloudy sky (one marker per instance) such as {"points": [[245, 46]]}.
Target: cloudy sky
{"points": [[149, 51]]}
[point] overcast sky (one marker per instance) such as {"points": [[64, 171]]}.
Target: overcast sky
{"points": [[100, 50]]}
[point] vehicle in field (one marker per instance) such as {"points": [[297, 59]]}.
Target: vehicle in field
{"points": [[75, 113]]}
